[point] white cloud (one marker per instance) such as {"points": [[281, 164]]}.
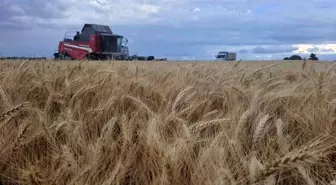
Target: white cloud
{"points": [[149, 9], [196, 10], [16, 9], [316, 48], [119, 12], [64, 12]]}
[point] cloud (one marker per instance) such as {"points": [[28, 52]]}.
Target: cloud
{"points": [[196, 10], [243, 51], [317, 50], [274, 49], [253, 29]]}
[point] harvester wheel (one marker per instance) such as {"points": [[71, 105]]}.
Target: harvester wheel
{"points": [[90, 57], [66, 57]]}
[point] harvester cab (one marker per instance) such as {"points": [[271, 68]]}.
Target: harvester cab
{"points": [[93, 42]]}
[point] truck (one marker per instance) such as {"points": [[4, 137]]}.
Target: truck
{"points": [[94, 42], [226, 56]]}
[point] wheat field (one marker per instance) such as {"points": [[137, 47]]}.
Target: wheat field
{"points": [[169, 123]]}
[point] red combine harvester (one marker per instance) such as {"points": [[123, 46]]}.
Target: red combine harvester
{"points": [[95, 42]]}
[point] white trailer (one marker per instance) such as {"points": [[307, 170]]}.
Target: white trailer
{"points": [[225, 55]]}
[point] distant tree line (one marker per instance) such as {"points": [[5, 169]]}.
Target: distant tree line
{"points": [[297, 57], [23, 58]]}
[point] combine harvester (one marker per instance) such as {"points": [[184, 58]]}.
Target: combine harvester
{"points": [[95, 42]]}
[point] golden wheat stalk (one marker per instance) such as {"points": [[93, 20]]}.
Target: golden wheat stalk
{"points": [[142, 104], [204, 124], [5, 97], [310, 153], [12, 111], [179, 98], [22, 131], [260, 129], [285, 163], [281, 138], [306, 176], [304, 63]]}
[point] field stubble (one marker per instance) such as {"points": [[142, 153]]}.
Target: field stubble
{"points": [[167, 123]]}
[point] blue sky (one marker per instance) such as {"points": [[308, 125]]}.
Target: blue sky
{"points": [[177, 29]]}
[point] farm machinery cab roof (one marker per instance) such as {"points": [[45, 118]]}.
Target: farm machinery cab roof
{"points": [[94, 42]]}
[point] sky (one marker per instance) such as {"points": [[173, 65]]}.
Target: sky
{"points": [[177, 29]]}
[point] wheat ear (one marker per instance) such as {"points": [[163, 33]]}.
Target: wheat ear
{"points": [[281, 139], [283, 163], [19, 137], [260, 129], [178, 98], [141, 104], [11, 111]]}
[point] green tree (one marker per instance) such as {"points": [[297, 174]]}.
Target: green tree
{"points": [[293, 57], [313, 57]]}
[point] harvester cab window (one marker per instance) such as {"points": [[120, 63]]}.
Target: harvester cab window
{"points": [[119, 41], [221, 56]]}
